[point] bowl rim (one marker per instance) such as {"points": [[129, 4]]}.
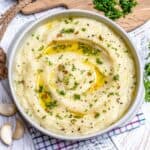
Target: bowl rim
{"points": [[137, 100]]}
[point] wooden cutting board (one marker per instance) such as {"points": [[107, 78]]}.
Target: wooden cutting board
{"points": [[141, 13]]}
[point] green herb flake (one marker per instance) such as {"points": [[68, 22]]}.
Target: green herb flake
{"points": [[127, 5], [147, 82], [114, 9], [73, 121], [110, 94], [66, 80], [100, 38], [116, 77], [98, 61], [37, 37], [43, 117], [61, 92], [88, 50], [67, 30], [96, 115], [73, 67], [76, 96], [60, 57], [108, 45], [40, 90], [68, 20], [59, 117], [83, 29], [76, 22], [74, 86], [41, 48], [40, 70], [32, 35], [78, 117], [147, 90], [51, 104], [50, 63], [90, 105]]}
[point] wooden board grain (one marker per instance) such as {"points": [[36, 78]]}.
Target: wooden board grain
{"points": [[140, 14]]}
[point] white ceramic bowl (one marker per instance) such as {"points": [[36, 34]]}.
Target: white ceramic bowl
{"points": [[139, 93]]}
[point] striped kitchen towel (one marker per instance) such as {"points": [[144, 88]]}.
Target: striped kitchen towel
{"points": [[44, 142]]}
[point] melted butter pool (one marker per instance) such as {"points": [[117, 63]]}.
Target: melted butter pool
{"points": [[93, 78]]}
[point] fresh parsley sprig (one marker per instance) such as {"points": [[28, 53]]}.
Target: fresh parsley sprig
{"points": [[147, 79], [114, 9]]}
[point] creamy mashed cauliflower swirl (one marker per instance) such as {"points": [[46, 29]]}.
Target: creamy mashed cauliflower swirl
{"points": [[74, 76]]}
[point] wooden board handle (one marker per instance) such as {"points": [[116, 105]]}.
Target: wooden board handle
{"points": [[41, 5], [140, 14]]}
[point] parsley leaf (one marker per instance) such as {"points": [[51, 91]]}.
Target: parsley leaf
{"points": [[115, 9]]}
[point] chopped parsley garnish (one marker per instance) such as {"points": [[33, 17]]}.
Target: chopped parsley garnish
{"points": [[127, 5], [60, 57], [59, 46], [110, 94], [41, 48], [96, 115], [100, 38], [147, 78], [116, 77], [76, 22], [90, 105], [83, 29], [76, 96], [59, 117], [73, 67], [40, 88], [66, 79], [43, 117], [37, 37], [98, 61], [61, 92], [40, 70], [50, 63], [147, 82], [115, 9], [78, 116], [51, 104], [74, 86], [68, 30], [88, 50], [68, 20], [32, 34], [108, 45]]}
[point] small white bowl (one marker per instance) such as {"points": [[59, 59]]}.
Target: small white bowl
{"points": [[82, 13]]}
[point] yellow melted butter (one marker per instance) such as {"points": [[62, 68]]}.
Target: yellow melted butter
{"points": [[99, 77], [62, 46], [43, 96], [73, 47]]}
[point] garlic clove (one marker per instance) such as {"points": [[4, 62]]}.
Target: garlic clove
{"points": [[7, 109], [19, 130], [6, 134]]}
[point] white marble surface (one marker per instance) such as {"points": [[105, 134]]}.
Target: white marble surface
{"points": [[138, 139]]}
